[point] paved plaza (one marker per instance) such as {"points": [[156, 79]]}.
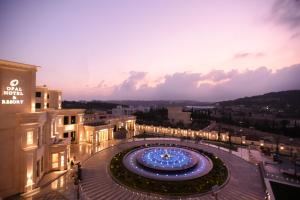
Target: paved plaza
{"points": [[245, 182], [57, 185]]}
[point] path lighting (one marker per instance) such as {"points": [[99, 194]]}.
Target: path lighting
{"points": [[281, 147]]}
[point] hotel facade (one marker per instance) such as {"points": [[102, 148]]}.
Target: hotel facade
{"points": [[36, 133]]}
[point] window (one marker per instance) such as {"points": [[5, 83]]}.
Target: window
{"points": [[38, 105], [66, 135], [54, 160], [73, 119], [73, 136], [66, 120], [29, 137], [38, 94], [38, 138], [38, 168], [42, 164], [48, 96], [47, 105], [62, 160]]}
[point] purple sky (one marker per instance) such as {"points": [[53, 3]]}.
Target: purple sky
{"points": [[206, 50]]}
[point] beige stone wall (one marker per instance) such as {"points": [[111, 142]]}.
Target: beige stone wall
{"points": [[49, 99], [175, 114], [26, 135], [55, 99], [14, 77], [77, 127], [213, 135]]}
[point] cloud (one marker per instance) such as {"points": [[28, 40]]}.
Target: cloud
{"points": [[248, 55], [216, 85], [287, 12], [295, 35]]}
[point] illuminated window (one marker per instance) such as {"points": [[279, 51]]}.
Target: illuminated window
{"points": [[54, 160], [29, 137], [62, 160], [29, 179]]}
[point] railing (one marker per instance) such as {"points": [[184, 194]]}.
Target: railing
{"points": [[60, 141]]}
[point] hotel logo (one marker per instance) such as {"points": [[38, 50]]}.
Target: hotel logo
{"points": [[13, 93]]}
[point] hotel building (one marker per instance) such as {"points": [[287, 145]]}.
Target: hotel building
{"points": [[36, 133]]}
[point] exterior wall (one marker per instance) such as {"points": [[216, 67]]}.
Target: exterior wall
{"points": [[43, 99], [75, 129], [94, 133], [55, 99], [213, 135], [95, 117], [48, 98], [28, 137], [120, 110], [14, 77], [97, 134], [175, 114]]}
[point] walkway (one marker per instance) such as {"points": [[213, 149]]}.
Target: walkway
{"points": [[63, 188], [245, 182]]}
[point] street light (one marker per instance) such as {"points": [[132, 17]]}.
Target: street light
{"points": [[215, 189]]}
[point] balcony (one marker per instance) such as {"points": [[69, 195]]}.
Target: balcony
{"points": [[60, 141]]}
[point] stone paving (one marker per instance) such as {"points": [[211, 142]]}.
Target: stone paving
{"points": [[245, 182], [63, 187]]}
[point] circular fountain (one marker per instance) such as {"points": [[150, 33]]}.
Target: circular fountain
{"points": [[167, 163]]}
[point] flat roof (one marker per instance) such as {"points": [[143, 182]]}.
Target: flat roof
{"points": [[17, 65], [46, 88]]}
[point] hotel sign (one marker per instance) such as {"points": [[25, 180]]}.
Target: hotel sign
{"points": [[13, 93]]}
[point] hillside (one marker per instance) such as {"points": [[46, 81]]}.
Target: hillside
{"points": [[281, 99], [96, 105]]}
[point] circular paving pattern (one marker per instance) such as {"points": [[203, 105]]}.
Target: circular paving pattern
{"points": [[168, 169], [244, 183], [167, 163]]}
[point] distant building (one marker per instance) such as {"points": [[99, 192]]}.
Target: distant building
{"points": [[100, 126], [176, 114], [121, 110]]}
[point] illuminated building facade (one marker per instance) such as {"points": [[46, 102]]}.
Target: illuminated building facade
{"points": [[35, 133]]}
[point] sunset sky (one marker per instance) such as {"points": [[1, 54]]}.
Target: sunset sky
{"points": [[206, 50]]}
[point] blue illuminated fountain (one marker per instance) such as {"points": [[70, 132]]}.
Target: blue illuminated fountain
{"points": [[167, 163], [166, 158]]}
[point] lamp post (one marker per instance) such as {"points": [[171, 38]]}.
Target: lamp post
{"points": [[215, 191]]}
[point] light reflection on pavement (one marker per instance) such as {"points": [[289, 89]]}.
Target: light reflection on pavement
{"points": [[63, 188]]}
